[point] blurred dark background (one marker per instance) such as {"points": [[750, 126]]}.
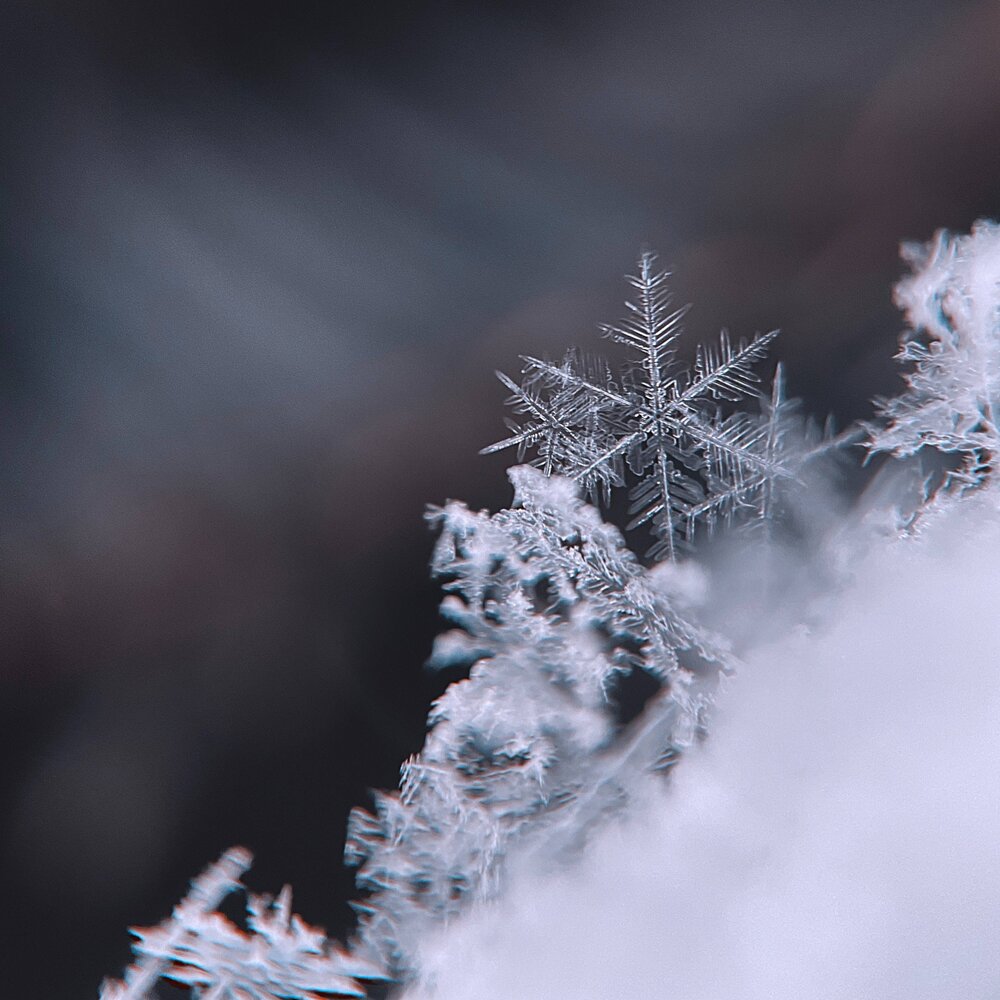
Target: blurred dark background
{"points": [[258, 265]]}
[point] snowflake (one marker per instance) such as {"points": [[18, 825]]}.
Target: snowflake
{"points": [[658, 418]]}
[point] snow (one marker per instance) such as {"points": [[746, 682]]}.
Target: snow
{"points": [[836, 838]]}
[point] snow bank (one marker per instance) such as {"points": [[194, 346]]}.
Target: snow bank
{"points": [[838, 837]]}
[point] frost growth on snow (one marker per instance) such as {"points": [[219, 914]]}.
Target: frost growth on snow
{"points": [[835, 838], [279, 957], [548, 606], [952, 347]]}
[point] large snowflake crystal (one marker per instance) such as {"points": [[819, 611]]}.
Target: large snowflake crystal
{"points": [[658, 418]]}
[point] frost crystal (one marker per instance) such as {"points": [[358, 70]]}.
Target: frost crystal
{"points": [[281, 958], [952, 305], [657, 418], [549, 606]]}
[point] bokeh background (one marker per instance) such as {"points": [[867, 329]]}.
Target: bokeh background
{"points": [[258, 264]]}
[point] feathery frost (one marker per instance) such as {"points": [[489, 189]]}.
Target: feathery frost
{"points": [[279, 958], [952, 305], [759, 498], [548, 607]]}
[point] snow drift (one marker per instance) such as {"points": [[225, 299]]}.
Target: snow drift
{"points": [[836, 837]]}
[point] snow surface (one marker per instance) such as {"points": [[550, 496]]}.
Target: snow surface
{"points": [[837, 838]]}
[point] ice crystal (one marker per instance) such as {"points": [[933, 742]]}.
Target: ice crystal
{"points": [[279, 957], [658, 418], [549, 606], [952, 306], [757, 497]]}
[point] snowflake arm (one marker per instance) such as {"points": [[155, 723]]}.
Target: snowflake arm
{"points": [[723, 373], [570, 411], [528, 403], [653, 327]]}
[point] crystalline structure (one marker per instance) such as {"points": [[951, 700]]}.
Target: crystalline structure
{"points": [[952, 305], [549, 606], [755, 497], [658, 419], [548, 609], [279, 958]]}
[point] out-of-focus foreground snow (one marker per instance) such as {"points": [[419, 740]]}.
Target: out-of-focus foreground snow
{"points": [[837, 838]]}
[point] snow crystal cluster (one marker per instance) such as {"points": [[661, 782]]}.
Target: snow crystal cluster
{"points": [[952, 305], [549, 607]]}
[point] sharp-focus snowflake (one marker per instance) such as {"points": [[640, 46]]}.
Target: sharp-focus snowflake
{"points": [[659, 419]]}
